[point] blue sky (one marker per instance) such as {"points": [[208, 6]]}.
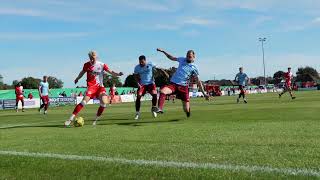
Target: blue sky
{"points": [[53, 37]]}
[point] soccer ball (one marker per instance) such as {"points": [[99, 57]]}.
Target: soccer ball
{"points": [[79, 122]]}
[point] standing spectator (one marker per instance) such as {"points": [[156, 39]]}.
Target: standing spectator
{"points": [[30, 96]]}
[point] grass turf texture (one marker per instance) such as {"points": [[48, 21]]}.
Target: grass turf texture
{"points": [[267, 132]]}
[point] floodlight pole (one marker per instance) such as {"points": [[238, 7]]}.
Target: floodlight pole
{"points": [[262, 40]]}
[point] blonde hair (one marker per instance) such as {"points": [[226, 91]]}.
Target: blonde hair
{"points": [[91, 53]]}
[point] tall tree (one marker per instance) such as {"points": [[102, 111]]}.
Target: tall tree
{"points": [[15, 82], [30, 83], [55, 83], [162, 76], [305, 74], [130, 81], [278, 76], [109, 80], [1, 80]]}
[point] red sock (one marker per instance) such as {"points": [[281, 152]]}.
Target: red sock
{"points": [[162, 99], [100, 111], [46, 107], [77, 109]]}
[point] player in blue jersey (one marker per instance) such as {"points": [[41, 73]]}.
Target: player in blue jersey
{"points": [[242, 79], [179, 82], [44, 94], [143, 74]]}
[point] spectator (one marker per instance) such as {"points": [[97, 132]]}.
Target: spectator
{"points": [[80, 94], [229, 91], [30, 96], [64, 94]]}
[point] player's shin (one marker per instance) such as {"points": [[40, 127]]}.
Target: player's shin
{"points": [[138, 104], [77, 109], [161, 101], [154, 100], [101, 109]]}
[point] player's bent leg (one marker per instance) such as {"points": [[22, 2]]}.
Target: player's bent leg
{"points": [[291, 93], [76, 110], [22, 102], [17, 103], [186, 108], [163, 93], [154, 108], [138, 105], [104, 99]]}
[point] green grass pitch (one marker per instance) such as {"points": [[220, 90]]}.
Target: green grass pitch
{"points": [[269, 138]]}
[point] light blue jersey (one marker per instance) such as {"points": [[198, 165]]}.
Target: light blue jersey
{"points": [[44, 88], [184, 72], [145, 73], [242, 79]]}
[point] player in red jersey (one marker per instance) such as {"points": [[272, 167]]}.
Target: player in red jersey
{"points": [[19, 96], [288, 84], [112, 93], [95, 89]]}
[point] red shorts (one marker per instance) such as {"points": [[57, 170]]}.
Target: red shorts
{"points": [[288, 85], [182, 92], [19, 98], [151, 88], [95, 91], [45, 99], [242, 89]]}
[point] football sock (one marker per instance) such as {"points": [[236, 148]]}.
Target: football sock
{"points": [[77, 109], [162, 99], [100, 110], [138, 104], [154, 100]]}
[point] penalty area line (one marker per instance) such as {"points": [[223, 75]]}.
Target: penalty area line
{"points": [[172, 164]]}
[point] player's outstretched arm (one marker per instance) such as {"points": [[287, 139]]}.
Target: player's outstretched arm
{"points": [[202, 89], [169, 56], [114, 73], [79, 76]]}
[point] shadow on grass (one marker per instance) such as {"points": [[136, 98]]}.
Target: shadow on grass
{"points": [[134, 123], [32, 126], [140, 123]]}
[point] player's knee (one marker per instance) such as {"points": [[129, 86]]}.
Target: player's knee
{"points": [[83, 102], [102, 104], [164, 91], [105, 99]]}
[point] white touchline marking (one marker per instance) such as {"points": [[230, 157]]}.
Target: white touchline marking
{"points": [[191, 165]]}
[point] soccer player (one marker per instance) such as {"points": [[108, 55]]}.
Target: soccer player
{"points": [[180, 80], [143, 74], [19, 96], [287, 88], [242, 79], [112, 93], [44, 94], [95, 88]]}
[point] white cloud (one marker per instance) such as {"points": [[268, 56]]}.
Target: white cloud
{"points": [[40, 35], [145, 5], [226, 66], [20, 12], [179, 23], [198, 21], [261, 19], [300, 26]]}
